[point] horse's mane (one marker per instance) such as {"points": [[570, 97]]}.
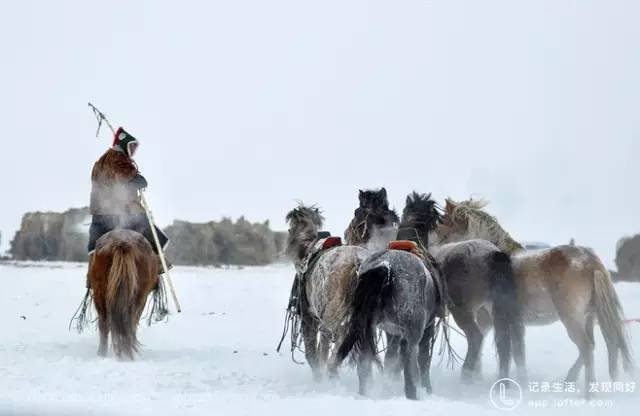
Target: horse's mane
{"points": [[305, 221], [481, 224], [423, 211], [308, 212]]}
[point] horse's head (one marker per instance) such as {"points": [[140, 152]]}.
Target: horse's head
{"points": [[454, 224], [466, 220], [372, 218], [373, 199], [304, 224], [420, 217]]}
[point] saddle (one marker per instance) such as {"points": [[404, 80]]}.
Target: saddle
{"points": [[406, 245]]}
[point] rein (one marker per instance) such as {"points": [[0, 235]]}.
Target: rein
{"points": [[354, 228], [82, 317], [293, 316]]}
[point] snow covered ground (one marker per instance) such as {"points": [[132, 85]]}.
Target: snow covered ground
{"points": [[218, 356]]}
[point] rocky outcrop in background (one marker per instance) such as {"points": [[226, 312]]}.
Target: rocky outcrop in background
{"points": [[628, 259], [224, 242], [64, 236], [52, 236]]}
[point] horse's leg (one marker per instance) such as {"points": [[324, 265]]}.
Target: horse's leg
{"points": [[424, 356], [391, 356], [103, 327], [579, 332], [310, 337], [466, 322], [323, 352], [364, 372], [574, 371], [484, 321], [519, 357], [409, 353]]}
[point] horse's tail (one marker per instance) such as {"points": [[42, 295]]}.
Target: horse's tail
{"points": [[122, 286], [611, 320], [372, 289], [507, 314]]}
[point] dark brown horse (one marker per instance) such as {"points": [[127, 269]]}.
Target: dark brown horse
{"points": [[124, 271], [374, 224]]}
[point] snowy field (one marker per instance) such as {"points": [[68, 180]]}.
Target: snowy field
{"points": [[218, 356]]}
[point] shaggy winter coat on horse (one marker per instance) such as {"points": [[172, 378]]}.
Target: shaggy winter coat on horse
{"points": [[327, 279], [123, 274], [399, 291], [478, 276]]}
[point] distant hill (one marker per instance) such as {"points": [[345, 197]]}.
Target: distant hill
{"points": [[628, 258], [224, 242], [52, 236], [55, 236]]}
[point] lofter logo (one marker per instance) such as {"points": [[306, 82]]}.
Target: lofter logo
{"points": [[505, 394]]}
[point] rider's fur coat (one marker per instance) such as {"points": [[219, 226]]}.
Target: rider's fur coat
{"points": [[112, 192]]}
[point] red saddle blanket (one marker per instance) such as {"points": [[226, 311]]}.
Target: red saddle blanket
{"points": [[405, 245], [331, 242]]}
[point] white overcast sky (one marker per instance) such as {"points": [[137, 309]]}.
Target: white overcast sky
{"points": [[244, 107]]}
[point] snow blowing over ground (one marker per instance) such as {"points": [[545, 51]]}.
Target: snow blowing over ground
{"points": [[218, 357]]}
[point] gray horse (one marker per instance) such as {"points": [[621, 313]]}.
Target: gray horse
{"points": [[398, 294], [327, 279]]}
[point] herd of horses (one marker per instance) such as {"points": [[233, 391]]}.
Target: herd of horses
{"points": [[401, 276]]}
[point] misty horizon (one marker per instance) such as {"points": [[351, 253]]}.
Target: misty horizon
{"points": [[246, 108]]}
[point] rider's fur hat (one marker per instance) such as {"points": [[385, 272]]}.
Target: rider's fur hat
{"points": [[123, 140]]}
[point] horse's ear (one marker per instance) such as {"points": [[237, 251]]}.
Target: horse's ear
{"points": [[408, 200], [383, 192], [449, 206], [361, 195]]}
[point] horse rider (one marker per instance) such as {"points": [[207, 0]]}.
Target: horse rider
{"points": [[115, 200]]}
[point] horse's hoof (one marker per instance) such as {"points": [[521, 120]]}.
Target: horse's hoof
{"points": [[411, 395]]}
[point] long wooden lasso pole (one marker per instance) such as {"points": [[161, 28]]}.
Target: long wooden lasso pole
{"points": [[101, 117]]}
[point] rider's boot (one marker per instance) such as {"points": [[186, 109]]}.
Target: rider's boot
{"points": [[169, 265]]}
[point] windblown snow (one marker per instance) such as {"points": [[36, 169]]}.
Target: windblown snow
{"points": [[218, 357]]}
